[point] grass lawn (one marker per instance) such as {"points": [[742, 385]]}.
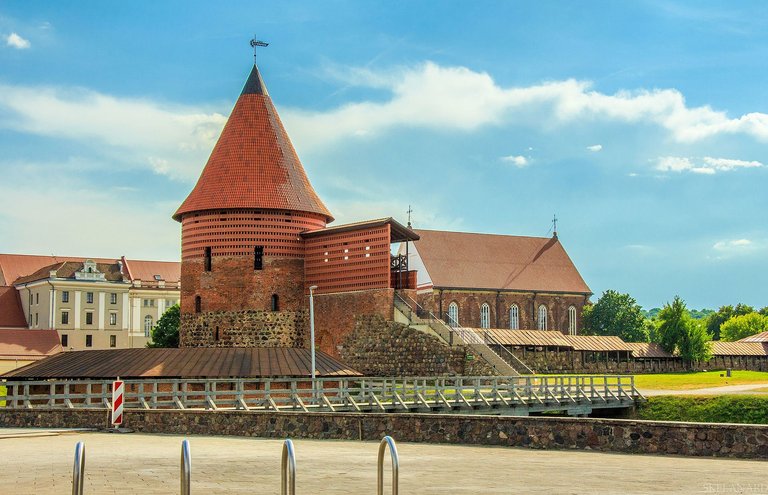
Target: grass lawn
{"points": [[706, 409], [706, 379]]}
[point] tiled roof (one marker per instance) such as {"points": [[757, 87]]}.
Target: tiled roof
{"points": [[399, 232], [67, 269], [170, 271], [648, 350], [760, 337], [253, 164], [13, 266], [487, 261], [195, 362], [551, 338], [720, 348], [597, 343], [28, 344], [11, 312]]}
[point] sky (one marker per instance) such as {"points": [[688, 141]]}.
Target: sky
{"points": [[643, 126]]}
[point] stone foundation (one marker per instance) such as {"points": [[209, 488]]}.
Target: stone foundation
{"points": [[250, 328]]}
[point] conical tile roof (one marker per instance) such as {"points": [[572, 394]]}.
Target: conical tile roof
{"points": [[253, 164]]}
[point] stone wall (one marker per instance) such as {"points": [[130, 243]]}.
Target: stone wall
{"points": [[384, 348], [249, 328], [469, 302], [606, 435]]}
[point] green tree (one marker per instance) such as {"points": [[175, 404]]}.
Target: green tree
{"points": [[678, 332], [742, 326], [724, 314], [616, 314], [166, 332], [764, 311], [695, 344]]}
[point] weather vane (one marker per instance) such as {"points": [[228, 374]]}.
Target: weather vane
{"points": [[554, 225], [257, 44], [410, 210]]}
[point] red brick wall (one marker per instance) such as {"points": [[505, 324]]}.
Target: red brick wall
{"points": [[335, 314], [527, 302]]}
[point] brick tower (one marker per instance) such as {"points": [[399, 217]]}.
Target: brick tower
{"points": [[242, 269]]}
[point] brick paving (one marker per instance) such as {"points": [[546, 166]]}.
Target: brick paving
{"points": [[149, 464]]}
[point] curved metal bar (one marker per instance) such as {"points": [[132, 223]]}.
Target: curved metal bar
{"points": [[288, 469], [185, 471], [388, 441], [78, 470]]}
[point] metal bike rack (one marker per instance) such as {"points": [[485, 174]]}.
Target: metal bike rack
{"points": [[186, 468], [388, 441], [288, 470], [78, 471]]}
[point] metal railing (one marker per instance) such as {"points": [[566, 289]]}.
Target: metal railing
{"points": [[288, 469], [506, 354], [185, 469], [78, 470], [388, 441], [364, 394]]}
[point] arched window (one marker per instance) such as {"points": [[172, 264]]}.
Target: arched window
{"points": [[514, 317], [485, 316], [275, 305], [148, 326], [453, 314], [198, 304], [572, 320], [542, 317]]}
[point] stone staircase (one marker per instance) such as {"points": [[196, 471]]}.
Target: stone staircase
{"points": [[410, 313]]}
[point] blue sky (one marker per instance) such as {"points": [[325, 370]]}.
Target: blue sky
{"points": [[643, 125]]}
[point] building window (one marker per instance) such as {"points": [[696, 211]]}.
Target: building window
{"points": [[147, 326], [149, 303], [65, 317], [198, 304], [89, 318], [65, 296], [37, 319], [113, 318], [514, 317], [170, 302], [216, 334], [258, 257], [64, 340], [453, 314], [485, 316], [112, 341], [37, 298], [89, 341], [572, 320], [542, 317], [208, 259], [89, 297], [113, 298], [275, 305]]}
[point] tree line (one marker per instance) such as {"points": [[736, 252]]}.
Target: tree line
{"points": [[673, 326]]}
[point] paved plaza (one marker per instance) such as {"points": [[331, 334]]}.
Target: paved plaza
{"points": [[40, 462]]}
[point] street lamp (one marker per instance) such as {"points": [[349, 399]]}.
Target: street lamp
{"points": [[312, 333]]}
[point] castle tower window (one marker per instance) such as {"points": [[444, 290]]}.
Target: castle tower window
{"points": [[198, 304], [453, 314], [485, 316], [258, 257], [514, 317], [275, 304], [572, 320], [207, 259], [542, 317]]}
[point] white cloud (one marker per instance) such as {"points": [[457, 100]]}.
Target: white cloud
{"points": [[732, 244], [168, 139], [15, 41], [516, 160], [595, 147], [707, 165], [458, 98]]}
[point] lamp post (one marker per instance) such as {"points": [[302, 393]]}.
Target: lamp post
{"points": [[312, 335]]}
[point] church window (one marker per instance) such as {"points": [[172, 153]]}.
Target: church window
{"points": [[514, 317], [453, 314], [275, 304], [485, 316], [207, 259], [148, 324], [572, 320], [198, 304], [542, 317]]}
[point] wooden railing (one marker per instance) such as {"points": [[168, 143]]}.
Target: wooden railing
{"points": [[370, 394]]}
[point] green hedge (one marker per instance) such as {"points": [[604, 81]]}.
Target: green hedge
{"points": [[704, 409]]}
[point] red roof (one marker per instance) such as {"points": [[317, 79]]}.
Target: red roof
{"points": [[28, 344], [11, 312], [13, 266], [253, 164], [488, 261], [170, 271]]}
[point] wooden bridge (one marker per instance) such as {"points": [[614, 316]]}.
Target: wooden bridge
{"points": [[513, 396]]}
